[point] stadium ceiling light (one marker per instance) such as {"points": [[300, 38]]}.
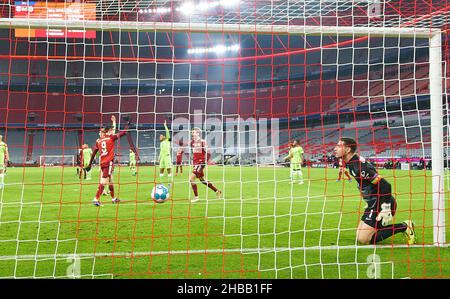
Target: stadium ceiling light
{"points": [[207, 5], [229, 3], [158, 10], [161, 10], [235, 47], [218, 49], [187, 8]]}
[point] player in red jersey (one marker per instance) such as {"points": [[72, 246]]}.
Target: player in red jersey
{"points": [[105, 144], [180, 153], [200, 158]]}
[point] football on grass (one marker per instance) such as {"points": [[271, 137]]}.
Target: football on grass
{"points": [[160, 193]]}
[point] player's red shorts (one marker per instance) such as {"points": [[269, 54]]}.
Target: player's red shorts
{"points": [[107, 170], [179, 160], [198, 171]]}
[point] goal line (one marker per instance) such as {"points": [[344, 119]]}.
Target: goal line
{"points": [[209, 251]]}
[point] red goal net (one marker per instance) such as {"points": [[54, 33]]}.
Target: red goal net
{"points": [[264, 90]]}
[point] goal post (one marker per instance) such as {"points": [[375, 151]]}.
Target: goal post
{"points": [[437, 138]]}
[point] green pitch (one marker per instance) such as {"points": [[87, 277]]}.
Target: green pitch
{"points": [[263, 228]]}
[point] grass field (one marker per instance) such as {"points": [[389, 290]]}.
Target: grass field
{"points": [[263, 228]]}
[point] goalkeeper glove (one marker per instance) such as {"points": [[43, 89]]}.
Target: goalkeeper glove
{"points": [[88, 168], [385, 215]]}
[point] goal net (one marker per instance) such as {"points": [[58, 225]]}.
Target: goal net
{"points": [[253, 76], [46, 161]]}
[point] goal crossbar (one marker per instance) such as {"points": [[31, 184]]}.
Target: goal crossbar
{"points": [[216, 28]]}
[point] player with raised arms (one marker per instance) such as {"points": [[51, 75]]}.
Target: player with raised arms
{"points": [[113, 120], [296, 157], [201, 156], [4, 158], [375, 224], [105, 145], [165, 157]]}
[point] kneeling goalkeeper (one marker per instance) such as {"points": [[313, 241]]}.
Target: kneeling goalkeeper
{"points": [[375, 225]]}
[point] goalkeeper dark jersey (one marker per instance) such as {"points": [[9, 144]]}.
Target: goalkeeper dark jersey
{"points": [[373, 187]]}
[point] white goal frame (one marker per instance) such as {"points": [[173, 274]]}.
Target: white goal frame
{"points": [[435, 71]]}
